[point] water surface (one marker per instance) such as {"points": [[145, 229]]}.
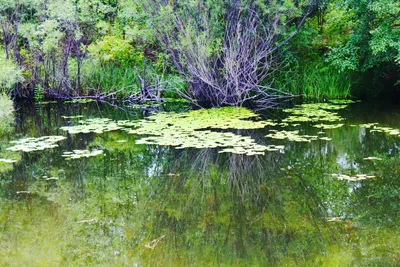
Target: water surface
{"points": [[149, 205]]}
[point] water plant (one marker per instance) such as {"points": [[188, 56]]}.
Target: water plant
{"points": [[8, 160], [95, 125], [372, 158], [386, 130], [291, 136], [77, 154], [314, 112], [189, 129], [328, 126], [355, 178], [32, 144]]}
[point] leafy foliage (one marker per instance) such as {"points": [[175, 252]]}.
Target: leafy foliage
{"points": [[374, 36], [10, 72]]}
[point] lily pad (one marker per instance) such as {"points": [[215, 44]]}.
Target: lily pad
{"points": [[314, 113], [356, 178], [291, 136], [96, 125], [372, 158], [77, 154], [8, 160], [32, 144], [196, 129]]}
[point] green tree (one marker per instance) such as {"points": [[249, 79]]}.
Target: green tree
{"points": [[373, 39]]}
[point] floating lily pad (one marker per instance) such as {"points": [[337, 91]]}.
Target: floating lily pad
{"points": [[356, 178], [342, 101], [291, 136], [328, 126], [96, 125], [372, 158], [193, 130], [325, 138], [32, 144], [314, 113], [77, 154], [386, 130], [368, 125], [8, 160]]}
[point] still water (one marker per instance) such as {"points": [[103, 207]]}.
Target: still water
{"points": [[324, 202]]}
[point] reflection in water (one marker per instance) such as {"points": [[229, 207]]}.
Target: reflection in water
{"points": [[154, 205]]}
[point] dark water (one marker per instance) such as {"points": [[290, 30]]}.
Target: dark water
{"points": [[147, 205]]}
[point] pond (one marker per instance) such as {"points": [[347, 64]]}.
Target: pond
{"points": [[90, 184]]}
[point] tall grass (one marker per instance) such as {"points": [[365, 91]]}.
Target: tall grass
{"points": [[111, 77], [108, 78], [315, 81]]}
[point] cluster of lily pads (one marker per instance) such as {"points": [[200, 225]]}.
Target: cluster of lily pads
{"points": [[192, 130], [96, 125], [8, 160], [291, 136], [77, 154], [342, 101], [32, 144], [328, 126], [355, 178], [366, 125], [314, 113], [386, 130], [373, 126]]}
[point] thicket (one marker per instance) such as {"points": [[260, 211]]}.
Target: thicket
{"points": [[349, 48], [220, 52]]}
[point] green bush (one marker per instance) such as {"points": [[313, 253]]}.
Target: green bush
{"points": [[10, 73]]}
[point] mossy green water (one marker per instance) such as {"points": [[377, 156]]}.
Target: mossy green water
{"points": [[156, 205]]}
